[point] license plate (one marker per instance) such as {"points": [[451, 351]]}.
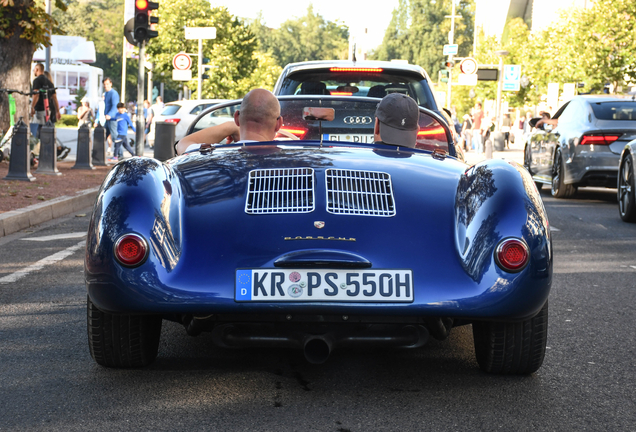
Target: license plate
{"points": [[348, 138], [283, 285]]}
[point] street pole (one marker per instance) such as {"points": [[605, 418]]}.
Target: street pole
{"points": [[501, 55], [47, 50], [123, 71], [140, 136], [199, 69], [451, 37]]}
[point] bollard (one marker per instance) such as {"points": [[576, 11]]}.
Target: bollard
{"points": [[164, 140], [20, 162], [488, 148], [99, 146], [498, 139], [48, 151], [84, 148]]}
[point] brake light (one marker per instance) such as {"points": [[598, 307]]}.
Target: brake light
{"points": [[173, 120], [599, 139], [131, 250], [297, 131], [512, 255], [336, 93], [436, 133], [353, 69]]}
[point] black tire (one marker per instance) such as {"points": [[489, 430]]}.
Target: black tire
{"points": [[122, 341], [626, 195], [559, 188], [512, 348]]}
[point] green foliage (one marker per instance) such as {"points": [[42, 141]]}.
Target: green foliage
{"points": [[419, 29], [81, 92], [29, 19], [231, 53], [68, 120], [310, 37]]}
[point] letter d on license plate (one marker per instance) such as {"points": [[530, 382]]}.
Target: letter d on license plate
{"points": [[287, 285]]}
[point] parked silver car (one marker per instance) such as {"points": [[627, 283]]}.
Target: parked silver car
{"points": [[182, 113], [584, 148]]}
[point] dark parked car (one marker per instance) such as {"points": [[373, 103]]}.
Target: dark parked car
{"points": [[320, 241], [584, 148]]}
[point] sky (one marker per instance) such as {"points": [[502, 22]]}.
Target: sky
{"points": [[356, 14]]}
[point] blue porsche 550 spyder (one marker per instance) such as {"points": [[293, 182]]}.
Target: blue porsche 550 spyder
{"points": [[320, 240]]}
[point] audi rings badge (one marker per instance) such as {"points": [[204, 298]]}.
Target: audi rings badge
{"points": [[363, 120]]}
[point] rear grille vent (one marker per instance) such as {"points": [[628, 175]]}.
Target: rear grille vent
{"points": [[285, 190], [365, 193]]}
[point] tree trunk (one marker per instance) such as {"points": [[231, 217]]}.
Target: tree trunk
{"points": [[16, 55]]}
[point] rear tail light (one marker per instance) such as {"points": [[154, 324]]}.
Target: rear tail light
{"points": [[337, 93], [297, 131], [173, 120], [512, 255], [599, 139], [131, 250], [432, 133], [353, 69]]}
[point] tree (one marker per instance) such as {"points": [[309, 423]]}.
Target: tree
{"points": [[419, 30], [310, 37], [231, 53], [23, 28]]}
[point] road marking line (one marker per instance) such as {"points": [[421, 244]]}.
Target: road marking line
{"points": [[52, 259], [553, 229], [57, 237]]}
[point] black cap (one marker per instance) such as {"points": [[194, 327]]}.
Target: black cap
{"points": [[399, 115]]}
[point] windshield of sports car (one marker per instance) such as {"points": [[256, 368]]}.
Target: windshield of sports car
{"points": [[353, 121], [370, 84]]}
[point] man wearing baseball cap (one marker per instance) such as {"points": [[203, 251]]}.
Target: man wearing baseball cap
{"points": [[396, 120]]}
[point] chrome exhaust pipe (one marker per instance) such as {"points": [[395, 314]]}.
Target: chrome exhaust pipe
{"points": [[317, 349]]}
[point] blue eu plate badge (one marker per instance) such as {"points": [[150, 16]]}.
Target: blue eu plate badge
{"points": [[244, 285]]}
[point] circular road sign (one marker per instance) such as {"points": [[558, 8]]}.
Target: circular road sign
{"points": [[182, 61], [468, 66]]}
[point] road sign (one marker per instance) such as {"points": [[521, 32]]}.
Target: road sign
{"points": [[467, 79], [468, 66], [181, 75], [511, 77], [200, 32], [182, 61], [450, 49]]}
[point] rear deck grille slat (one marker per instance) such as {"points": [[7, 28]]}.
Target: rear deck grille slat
{"points": [[365, 193], [280, 190]]}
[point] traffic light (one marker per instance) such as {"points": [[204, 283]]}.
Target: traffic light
{"points": [[449, 64], [143, 20], [443, 75]]}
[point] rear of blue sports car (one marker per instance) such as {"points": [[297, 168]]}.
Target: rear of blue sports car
{"points": [[315, 247]]}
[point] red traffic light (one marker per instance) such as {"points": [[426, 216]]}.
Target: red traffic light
{"points": [[141, 4]]}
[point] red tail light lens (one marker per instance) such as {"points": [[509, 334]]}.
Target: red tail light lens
{"points": [[173, 120], [337, 93], [512, 255], [353, 69], [131, 250], [600, 139], [296, 131], [428, 138]]}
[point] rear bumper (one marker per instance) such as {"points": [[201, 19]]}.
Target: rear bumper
{"points": [[592, 168]]}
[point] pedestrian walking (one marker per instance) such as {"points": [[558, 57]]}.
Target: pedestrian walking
{"points": [[122, 120], [478, 116], [111, 99]]}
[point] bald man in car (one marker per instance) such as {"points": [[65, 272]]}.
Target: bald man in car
{"points": [[258, 119]]}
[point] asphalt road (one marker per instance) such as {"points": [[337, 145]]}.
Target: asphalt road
{"points": [[48, 380]]}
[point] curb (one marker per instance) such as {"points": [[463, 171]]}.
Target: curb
{"points": [[16, 220]]}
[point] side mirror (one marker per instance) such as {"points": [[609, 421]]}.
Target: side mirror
{"points": [[314, 113]]}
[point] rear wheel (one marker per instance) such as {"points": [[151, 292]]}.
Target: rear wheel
{"points": [[626, 196], [559, 188], [122, 341], [512, 348]]}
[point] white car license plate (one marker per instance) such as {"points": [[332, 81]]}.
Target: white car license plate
{"points": [[349, 138], [294, 285]]}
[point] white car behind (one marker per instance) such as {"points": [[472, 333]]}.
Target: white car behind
{"points": [[182, 113]]}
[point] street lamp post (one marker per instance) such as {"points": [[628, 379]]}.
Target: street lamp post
{"points": [[501, 55]]}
